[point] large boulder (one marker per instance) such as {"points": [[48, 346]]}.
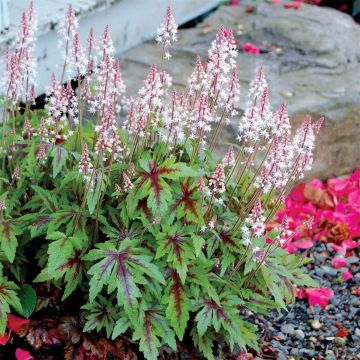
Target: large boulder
{"points": [[311, 57]]}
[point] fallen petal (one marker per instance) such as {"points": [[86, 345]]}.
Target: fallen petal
{"points": [[338, 262], [22, 354], [347, 275], [320, 296]]}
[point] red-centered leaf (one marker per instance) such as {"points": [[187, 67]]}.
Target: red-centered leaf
{"points": [[158, 189], [178, 248], [153, 327], [149, 343], [101, 314], [188, 202], [152, 182], [8, 239], [226, 239], [120, 268], [8, 297], [177, 311], [65, 261], [204, 319]]}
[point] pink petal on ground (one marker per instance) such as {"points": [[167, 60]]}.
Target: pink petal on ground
{"points": [[317, 184], [292, 6], [347, 275], [350, 244], [290, 247], [354, 199], [298, 194], [355, 176], [304, 244], [338, 262], [276, 1], [5, 338], [339, 187], [233, 3], [358, 291], [251, 48], [341, 249], [320, 296], [300, 293], [22, 354]]}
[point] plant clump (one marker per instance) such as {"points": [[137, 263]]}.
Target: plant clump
{"points": [[129, 212]]}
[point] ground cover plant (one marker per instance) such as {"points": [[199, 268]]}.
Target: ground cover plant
{"points": [[127, 216]]}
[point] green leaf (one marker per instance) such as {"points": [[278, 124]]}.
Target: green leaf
{"points": [[199, 242], [47, 197], [120, 268], [177, 247], [8, 239], [100, 314], [65, 261], [27, 296], [93, 195], [59, 155], [122, 324], [8, 297], [178, 304]]}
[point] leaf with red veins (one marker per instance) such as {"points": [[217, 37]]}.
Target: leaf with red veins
{"points": [[8, 240], [177, 247], [120, 269], [188, 203], [65, 261], [178, 308], [153, 183], [226, 239], [153, 326]]}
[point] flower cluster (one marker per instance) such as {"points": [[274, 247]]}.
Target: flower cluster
{"points": [[167, 32], [19, 65]]}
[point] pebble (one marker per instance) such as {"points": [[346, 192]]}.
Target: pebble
{"points": [[287, 329], [316, 324], [305, 332], [330, 338], [299, 334]]}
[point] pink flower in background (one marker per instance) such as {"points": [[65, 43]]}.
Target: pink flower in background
{"points": [[233, 3], [338, 262], [320, 296], [347, 275], [251, 48], [294, 6]]}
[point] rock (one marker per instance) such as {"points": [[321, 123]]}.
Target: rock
{"points": [[287, 329], [340, 341], [317, 65], [299, 334], [316, 324], [281, 336]]}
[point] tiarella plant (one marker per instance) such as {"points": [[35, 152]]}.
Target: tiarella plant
{"points": [[131, 213]]}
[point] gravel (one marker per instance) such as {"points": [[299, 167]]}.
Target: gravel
{"points": [[313, 333]]}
